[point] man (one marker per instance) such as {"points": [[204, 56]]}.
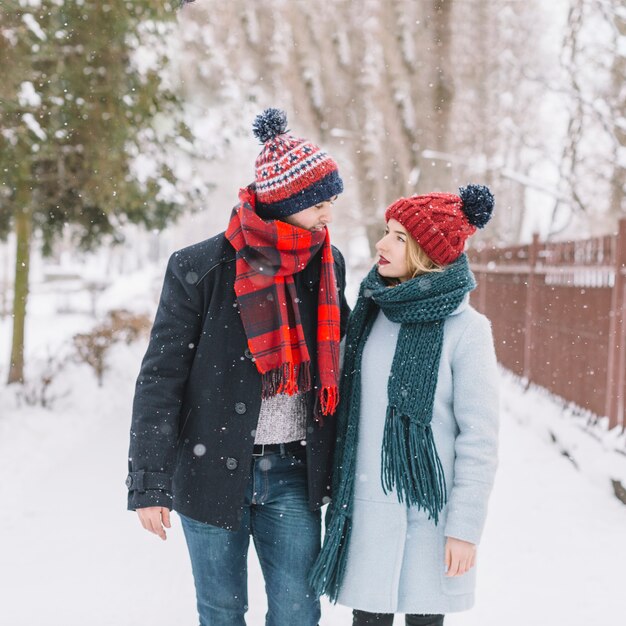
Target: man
{"points": [[233, 414]]}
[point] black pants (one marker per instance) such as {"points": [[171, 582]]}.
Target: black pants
{"points": [[363, 618]]}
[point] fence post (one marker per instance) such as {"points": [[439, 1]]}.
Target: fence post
{"points": [[621, 370], [481, 258], [533, 253], [614, 405]]}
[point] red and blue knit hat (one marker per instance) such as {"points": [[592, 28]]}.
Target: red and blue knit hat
{"points": [[292, 174], [442, 222]]}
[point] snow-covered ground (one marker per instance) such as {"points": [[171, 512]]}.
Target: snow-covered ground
{"points": [[70, 554]]}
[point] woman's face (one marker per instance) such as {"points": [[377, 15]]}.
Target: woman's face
{"points": [[392, 256]]}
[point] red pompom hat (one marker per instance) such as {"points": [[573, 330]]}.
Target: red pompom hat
{"points": [[292, 174], [442, 222]]}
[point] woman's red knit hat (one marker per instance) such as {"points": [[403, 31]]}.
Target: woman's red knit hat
{"points": [[442, 222]]}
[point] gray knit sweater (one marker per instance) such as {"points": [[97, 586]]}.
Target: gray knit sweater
{"points": [[282, 419]]}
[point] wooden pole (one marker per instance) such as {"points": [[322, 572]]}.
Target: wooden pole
{"points": [[614, 404], [533, 253], [482, 286]]}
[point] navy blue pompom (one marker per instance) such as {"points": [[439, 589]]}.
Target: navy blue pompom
{"points": [[478, 204], [269, 124]]}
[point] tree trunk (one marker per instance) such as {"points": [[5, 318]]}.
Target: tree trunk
{"points": [[439, 178], [23, 228], [618, 178], [4, 305]]}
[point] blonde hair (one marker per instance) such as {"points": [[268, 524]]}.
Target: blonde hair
{"points": [[418, 262]]}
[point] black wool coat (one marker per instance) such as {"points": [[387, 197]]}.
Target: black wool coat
{"points": [[198, 394]]}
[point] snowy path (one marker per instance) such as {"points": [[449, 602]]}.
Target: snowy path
{"points": [[70, 555]]}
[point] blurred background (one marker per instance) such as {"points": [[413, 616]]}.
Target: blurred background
{"points": [[125, 134]]}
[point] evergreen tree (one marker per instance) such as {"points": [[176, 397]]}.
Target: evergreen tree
{"points": [[82, 83]]}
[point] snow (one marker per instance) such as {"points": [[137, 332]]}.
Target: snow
{"points": [[146, 59], [33, 25], [33, 126], [27, 96], [144, 167], [553, 549], [35, 4]]}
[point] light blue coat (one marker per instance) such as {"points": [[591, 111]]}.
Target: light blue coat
{"points": [[396, 555]]}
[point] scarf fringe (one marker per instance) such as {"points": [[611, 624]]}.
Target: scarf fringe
{"points": [[330, 566], [288, 379], [411, 464], [329, 398]]}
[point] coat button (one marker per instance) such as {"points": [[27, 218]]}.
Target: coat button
{"points": [[240, 408], [248, 353], [129, 481], [231, 463]]}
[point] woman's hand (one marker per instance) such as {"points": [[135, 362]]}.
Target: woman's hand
{"points": [[460, 556]]}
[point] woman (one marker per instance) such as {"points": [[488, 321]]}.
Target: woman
{"points": [[417, 424]]}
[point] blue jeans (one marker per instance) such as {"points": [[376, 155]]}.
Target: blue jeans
{"points": [[286, 536]]}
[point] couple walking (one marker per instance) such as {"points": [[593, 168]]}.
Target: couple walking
{"points": [[244, 424]]}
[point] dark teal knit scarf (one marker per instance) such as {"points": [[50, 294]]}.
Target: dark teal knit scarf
{"points": [[410, 463]]}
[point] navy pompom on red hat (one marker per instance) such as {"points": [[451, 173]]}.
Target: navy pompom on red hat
{"points": [[442, 222], [292, 174]]}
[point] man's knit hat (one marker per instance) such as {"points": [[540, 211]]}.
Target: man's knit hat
{"points": [[292, 174], [442, 222]]}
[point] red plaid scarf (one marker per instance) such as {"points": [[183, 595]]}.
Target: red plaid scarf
{"points": [[268, 255]]}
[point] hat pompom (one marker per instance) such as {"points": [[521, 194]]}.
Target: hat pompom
{"points": [[478, 203], [269, 124]]}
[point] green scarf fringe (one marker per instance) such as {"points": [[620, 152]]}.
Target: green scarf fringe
{"points": [[411, 465], [327, 573]]}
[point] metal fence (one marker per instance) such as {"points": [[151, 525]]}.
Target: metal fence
{"points": [[557, 311]]}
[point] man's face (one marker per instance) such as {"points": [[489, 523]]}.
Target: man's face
{"points": [[314, 218]]}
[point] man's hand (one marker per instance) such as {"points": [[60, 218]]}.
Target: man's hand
{"points": [[154, 518], [460, 556]]}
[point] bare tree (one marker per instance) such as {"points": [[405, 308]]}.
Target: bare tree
{"points": [[420, 96]]}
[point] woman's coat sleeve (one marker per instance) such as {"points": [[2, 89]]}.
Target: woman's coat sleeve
{"points": [[476, 408]]}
